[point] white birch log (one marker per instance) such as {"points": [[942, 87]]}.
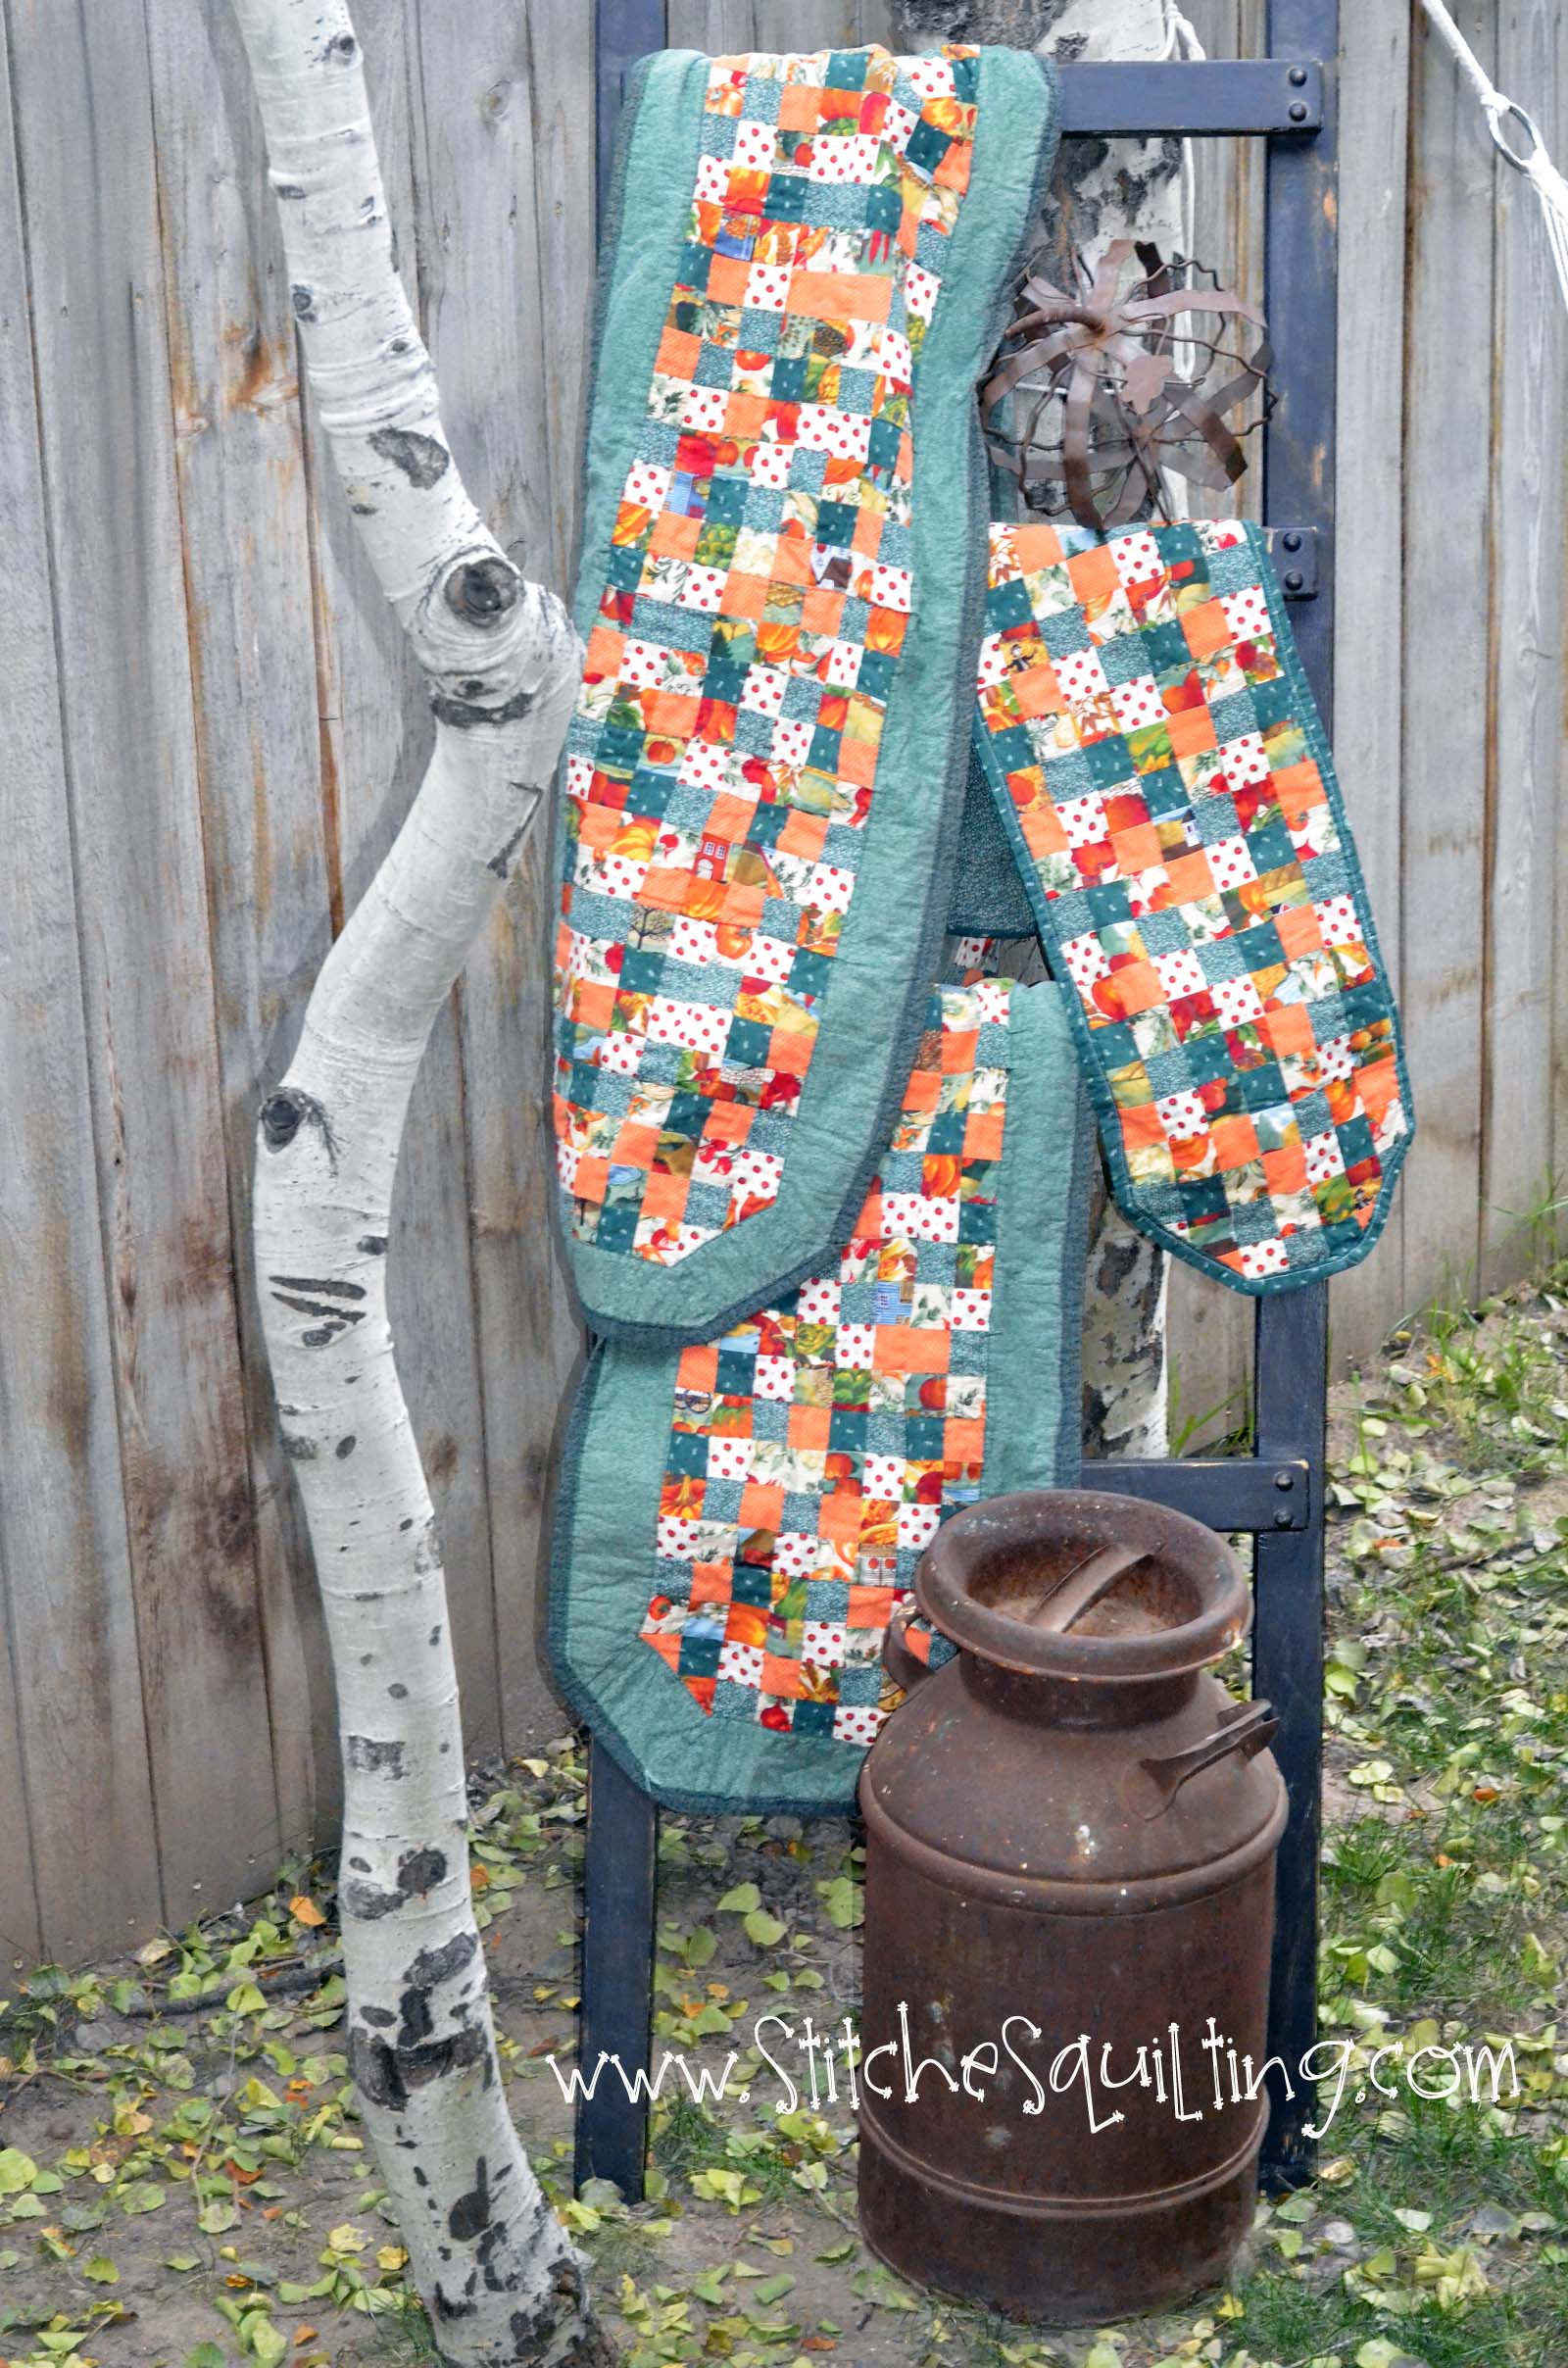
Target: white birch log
{"points": [[1101, 189], [501, 2281]]}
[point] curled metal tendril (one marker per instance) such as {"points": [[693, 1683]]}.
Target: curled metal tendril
{"points": [[1098, 392]]}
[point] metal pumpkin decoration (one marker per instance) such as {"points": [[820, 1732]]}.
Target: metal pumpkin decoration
{"points": [[1098, 392]]}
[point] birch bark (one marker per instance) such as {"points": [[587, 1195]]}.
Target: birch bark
{"points": [[1102, 189], [501, 2281]]}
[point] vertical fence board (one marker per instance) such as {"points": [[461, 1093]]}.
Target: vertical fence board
{"points": [[79, 1854], [239, 466], [87, 168], [1527, 636], [1373, 100], [495, 326], [561, 97], [1446, 675]]}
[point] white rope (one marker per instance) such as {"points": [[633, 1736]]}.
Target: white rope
{"points": [[1505, 118], [1182, 41]]}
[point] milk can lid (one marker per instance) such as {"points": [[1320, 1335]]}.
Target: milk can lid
{"points": [[1080, 1583]]}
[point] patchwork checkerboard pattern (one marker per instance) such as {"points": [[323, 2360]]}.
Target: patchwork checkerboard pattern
{"points": [[722, 759], [816, 1450], [1154, 744]]}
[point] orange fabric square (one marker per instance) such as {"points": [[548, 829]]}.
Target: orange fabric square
{"points": [[1285, 1170], [1298, 929], [761, 1504], [678, 353], [789, 1053], [593, 1003], [729, 819], [858, 762], [592, 1179], [1235, 1140], [1190, 877], [699, 1366], [808, 1425], [1135, 987], [742, 904], [602, 656], [1141, 1125], [792, 561], [803, 833], [1288, 1028], [599, 827], [1207, 629], [1036, 547], [982, 1134], [670, 714], [1298, 788], [744, 416], [866, 539], [963, 1439], [822, 610], [1137, 849], [869, 1607], [909, 1349], [785, 1679], [1378, 1083], [1190, 731], [726, 284], [840, 1516], [840, 296], [958, 1051], [674, 536], [797, 107], [665, 1196], [745, 595], [728, 1123], [665, 890], [635, 1144], [1094, 571], [1043, 831], [1037, 692]]}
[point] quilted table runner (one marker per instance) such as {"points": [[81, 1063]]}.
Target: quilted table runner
{"points": [[738, 1518], [1162, 772], [781, 595]]}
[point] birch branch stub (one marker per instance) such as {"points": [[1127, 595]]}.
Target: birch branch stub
{"points": [[502, 2283]]}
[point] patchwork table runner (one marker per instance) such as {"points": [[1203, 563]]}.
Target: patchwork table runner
{"points": [[1161, 768], [781, 594], [738, 1518]]}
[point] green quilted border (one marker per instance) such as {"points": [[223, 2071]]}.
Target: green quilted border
{"points": [[888, 953], [1123, 1188], [614, 1463]]}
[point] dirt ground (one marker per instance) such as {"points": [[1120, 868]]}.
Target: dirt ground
{"points": [[183, 2182]]}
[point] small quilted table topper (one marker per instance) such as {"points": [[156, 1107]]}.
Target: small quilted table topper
{"points": [[740, 1518], [1158, 761], [781, 598]]}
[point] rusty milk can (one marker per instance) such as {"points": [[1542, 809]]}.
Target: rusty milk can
{"points": [[1070, 1837]]}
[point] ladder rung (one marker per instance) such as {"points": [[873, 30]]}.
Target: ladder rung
{"points": [[1206, 98]]}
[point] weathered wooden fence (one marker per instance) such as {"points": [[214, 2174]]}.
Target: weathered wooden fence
{"points": [[210, 728]]}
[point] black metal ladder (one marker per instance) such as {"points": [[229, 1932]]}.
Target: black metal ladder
{"points": [[1275, 1495]]}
